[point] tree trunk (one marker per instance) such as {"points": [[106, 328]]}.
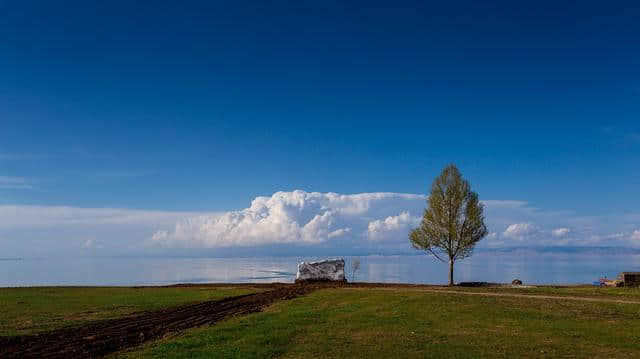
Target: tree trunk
{"points": [[450, 272]]}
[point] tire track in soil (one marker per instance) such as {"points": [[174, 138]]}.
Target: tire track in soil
{"points": [[107, 336]]}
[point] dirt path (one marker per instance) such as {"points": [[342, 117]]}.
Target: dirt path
{"points": [[537, 296], [107, 336], [491, 294]]}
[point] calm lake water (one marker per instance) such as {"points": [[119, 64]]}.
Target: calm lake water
{"points": [[531, 268]]}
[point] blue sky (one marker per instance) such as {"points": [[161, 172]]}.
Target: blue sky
{"points": [[204, 106]]}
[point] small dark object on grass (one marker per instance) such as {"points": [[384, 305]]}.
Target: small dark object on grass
{"points": [[516, 282], [473, 284], [611, 282]]}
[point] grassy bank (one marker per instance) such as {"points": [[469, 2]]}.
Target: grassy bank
{"points": [[30, 310], [415, 323]]}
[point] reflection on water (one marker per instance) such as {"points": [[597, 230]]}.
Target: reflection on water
{"points": [[531, 268]]}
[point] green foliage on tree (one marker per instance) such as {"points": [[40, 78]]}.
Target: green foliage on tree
{"points": [[453, 221]]}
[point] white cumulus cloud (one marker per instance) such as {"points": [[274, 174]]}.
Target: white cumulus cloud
{"points": [[390, 226], [560, 232], [296, 217], [519, 230], [339, 232]]}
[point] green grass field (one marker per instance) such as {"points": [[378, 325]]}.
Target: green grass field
{"points": [[358, 322], [405, 323], [30, 310]]}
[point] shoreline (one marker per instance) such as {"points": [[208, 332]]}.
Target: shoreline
{"points": [[348, 284]]}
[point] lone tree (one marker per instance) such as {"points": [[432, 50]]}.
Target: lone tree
{"points": [[453, 221]]}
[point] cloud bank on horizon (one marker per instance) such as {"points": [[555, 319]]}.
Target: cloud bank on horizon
{"points": [[292, 223], [382, 220], [305, 218]]}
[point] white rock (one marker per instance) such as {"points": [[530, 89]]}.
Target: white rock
{"points": [[330, 269]]}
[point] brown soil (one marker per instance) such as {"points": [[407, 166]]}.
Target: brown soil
{"points": [[107, 336]]}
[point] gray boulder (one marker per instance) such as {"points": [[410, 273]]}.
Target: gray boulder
{"points": [[327, 270]]}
